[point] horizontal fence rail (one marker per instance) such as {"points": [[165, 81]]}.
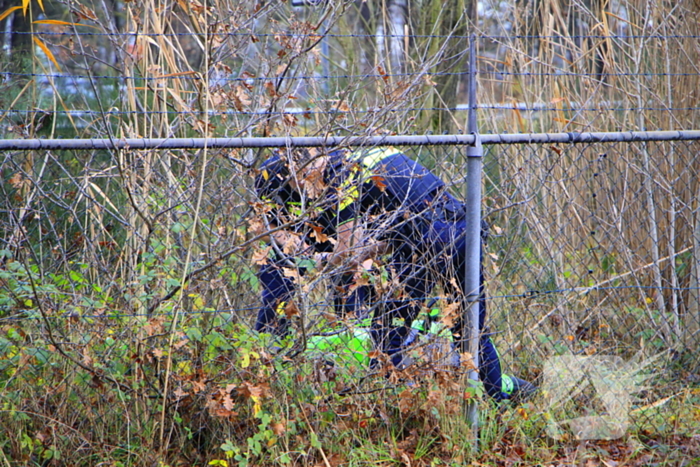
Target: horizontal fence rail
{"points": [[344, 141]]}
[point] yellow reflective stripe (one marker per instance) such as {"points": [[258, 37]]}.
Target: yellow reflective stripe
{"points": [[350, 195], [374, 156], [368, 159], [398, 322], [269, 204], [280, 308], [349, 191], [294, 209], [349, 220]]}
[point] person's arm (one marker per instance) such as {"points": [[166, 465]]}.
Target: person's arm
{"points": [[351, 248]]}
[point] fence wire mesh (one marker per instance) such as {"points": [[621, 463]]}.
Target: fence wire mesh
{"points": [[593, 256], [130, 285]]}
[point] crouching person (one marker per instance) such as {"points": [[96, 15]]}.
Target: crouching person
{"points": [[344, 207]]}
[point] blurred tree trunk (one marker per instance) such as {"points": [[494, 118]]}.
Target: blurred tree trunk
{"points": [[391, 35], [684, 83], [17, 39], [692, 318], [425, 30]]}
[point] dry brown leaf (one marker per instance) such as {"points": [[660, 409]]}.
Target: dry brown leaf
{"points": [[317, 232], [291, 242], [466, 361], [279, 428], [249, 389], [314, 184], [260, 256], [240, 98], [291, 310], [180, 393], [360, 280], [198, 386], [256, 226], [271, 91], [450, 313], [9, 11], [292, 274], [16, 180], [154, 326], [227, 402], [406, 400], [47, 52], [85, 13], [379, 182], [289, 120]]}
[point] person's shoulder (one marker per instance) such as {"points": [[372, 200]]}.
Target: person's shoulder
{"points": [[271, 161], [271, 175], [274, 166], [336, 161], [338, 155]]}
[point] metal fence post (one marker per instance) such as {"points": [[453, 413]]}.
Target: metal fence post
{"points": [[470, 338]]}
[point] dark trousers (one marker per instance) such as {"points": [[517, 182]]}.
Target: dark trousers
{"points": [[276, 289], [437, 253]]}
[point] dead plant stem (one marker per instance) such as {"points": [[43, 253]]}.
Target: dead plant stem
{"points": [[191, 246]]}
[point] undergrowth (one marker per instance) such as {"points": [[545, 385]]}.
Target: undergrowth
{"points": [[106, 388]]}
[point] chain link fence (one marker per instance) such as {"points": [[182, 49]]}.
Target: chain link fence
{"points": [[593, 259], [129, 286]]}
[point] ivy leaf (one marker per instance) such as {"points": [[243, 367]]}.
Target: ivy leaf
{"points": [[245, 360]]}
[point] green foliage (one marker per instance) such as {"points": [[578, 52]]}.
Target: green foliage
{"points": [[76, 352]]}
